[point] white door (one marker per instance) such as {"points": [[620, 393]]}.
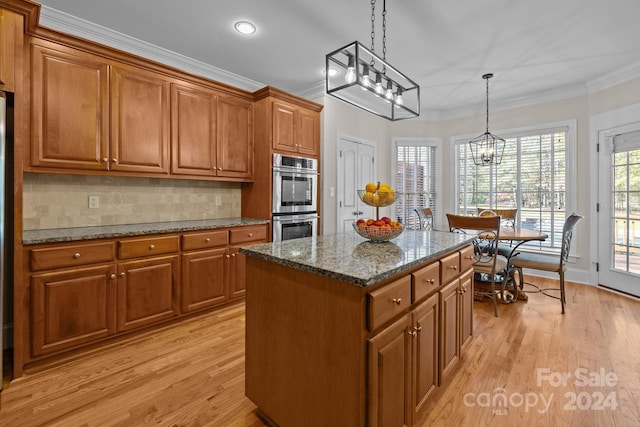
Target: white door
{"points": [[619, 211], [355, 169]]}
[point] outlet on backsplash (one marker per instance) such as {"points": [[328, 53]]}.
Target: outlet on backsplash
{"points": [[94, 202]]}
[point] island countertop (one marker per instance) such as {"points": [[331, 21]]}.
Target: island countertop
{"points": [[350, 258]]}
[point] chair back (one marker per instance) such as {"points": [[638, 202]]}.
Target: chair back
{"points": [[508, 215], [425, 218], [488, 230], [567, 234]]}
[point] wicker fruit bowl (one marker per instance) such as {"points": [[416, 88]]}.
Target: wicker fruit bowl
{"points": [[376, 233]]}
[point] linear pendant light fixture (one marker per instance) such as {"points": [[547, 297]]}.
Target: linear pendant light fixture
{"points": [[487, 149], [370, 82]]}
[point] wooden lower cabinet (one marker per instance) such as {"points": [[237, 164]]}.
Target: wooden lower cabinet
{"points": [[425, 349], [466, 308], [204, 279], [73, 307], [147, 292], [84, 292], [390, 375], [449, 327]]}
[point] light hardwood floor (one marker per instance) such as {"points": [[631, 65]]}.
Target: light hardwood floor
{"points": [[192, 373]]}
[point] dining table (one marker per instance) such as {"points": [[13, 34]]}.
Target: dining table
{"points": [[517, 236]]}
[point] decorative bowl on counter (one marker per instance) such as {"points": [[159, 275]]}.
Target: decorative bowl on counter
{"points": [[377, 234], [379, 199]]}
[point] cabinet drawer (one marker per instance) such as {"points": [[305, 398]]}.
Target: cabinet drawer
{"points": [[425, 281], [147, 247], [248, 234], [209, 239], [69, 256], [389, 301], [466, 258], [450, 267]]}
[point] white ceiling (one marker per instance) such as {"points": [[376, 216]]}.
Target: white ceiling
{"points": [[537, 49]]}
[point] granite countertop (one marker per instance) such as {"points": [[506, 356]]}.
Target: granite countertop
{"points": [[350, 258], [32, 237]]}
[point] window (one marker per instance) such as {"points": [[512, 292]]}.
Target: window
{"points": [[532, 177], [415, 186]]}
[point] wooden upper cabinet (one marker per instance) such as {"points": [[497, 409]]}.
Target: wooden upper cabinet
{"points": [[283, 126], [235, 137], [10, 23], [308, 132], [69, 108], [139, 120], [295, 129], [193, 131]]}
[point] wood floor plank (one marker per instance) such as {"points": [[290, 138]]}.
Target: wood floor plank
{"points": [[192, 373]]}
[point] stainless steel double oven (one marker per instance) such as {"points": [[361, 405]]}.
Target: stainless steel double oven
{"points": [[295, 197]]}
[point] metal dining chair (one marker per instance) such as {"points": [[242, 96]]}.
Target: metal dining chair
{"points": [[487, 260], [425, 218], [508, 219], [555, 264]]}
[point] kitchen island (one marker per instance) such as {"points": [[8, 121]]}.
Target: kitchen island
{"points": [[346, 332]]}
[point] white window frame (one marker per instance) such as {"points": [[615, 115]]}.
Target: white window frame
{"points": [[438, 174], [570, 158]]}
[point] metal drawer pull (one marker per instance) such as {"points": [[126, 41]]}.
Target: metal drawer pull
{"points": [[152, 247], [113, 276], [412, 333], [418, 328], [208, 239], [430, 281], [122, 274], [76, 255], [397, 300], [453, 267], [250, 234]]}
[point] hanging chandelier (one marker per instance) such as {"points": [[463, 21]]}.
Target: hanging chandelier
{"points": [[358, 76], [487, 149]]}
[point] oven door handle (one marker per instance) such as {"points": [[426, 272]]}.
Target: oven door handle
{"points": [[292, 220]]}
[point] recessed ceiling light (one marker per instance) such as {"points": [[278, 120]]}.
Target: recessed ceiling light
{"points": [[245, 27], [332, 71]]}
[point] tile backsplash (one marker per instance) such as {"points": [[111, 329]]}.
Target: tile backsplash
{"points": [[62, 201]]}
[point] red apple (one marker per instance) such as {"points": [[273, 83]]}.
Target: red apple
{"points": [[386, 219], [379, 223]]}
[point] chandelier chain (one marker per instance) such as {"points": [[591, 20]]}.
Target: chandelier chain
{"points": [[384, 30], [487, 79], [373, 29]]}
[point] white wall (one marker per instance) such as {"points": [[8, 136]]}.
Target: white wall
{"points": [[340, 117]]}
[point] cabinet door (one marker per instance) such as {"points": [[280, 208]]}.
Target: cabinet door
{"points": [[466, 308], [235, 137], [238, 279], [193, 131], [307, 132], [139, 121], [72, 307], [69, 108], [205, 279], [283, 126], [147, 292], [9, 22], [449, 328], [389, 375], [425, 321]]}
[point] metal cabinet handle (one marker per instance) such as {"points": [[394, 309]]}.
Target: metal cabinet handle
{"points": [[76, 255], [453, 267], [208, 239], [122, 274], [114, 160], [430, 281], [412, 333], [418, 328], [105, 159], [152, 247], [250, 234], [397, 300], [233, 255], [113, 276], [227, 256]]}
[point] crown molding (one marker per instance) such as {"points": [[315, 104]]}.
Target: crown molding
{"points": [[621, 75], [78, 27]]}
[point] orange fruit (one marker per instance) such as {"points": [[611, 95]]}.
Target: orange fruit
{"points": [[371, 187]]}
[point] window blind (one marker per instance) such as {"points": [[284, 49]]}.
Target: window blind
{"points": [[415, 181]]}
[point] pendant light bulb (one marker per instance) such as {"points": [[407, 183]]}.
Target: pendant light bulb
{"points": [[365, 81], [379, 88], [351, 75], [389, 93], [399, 99]]}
